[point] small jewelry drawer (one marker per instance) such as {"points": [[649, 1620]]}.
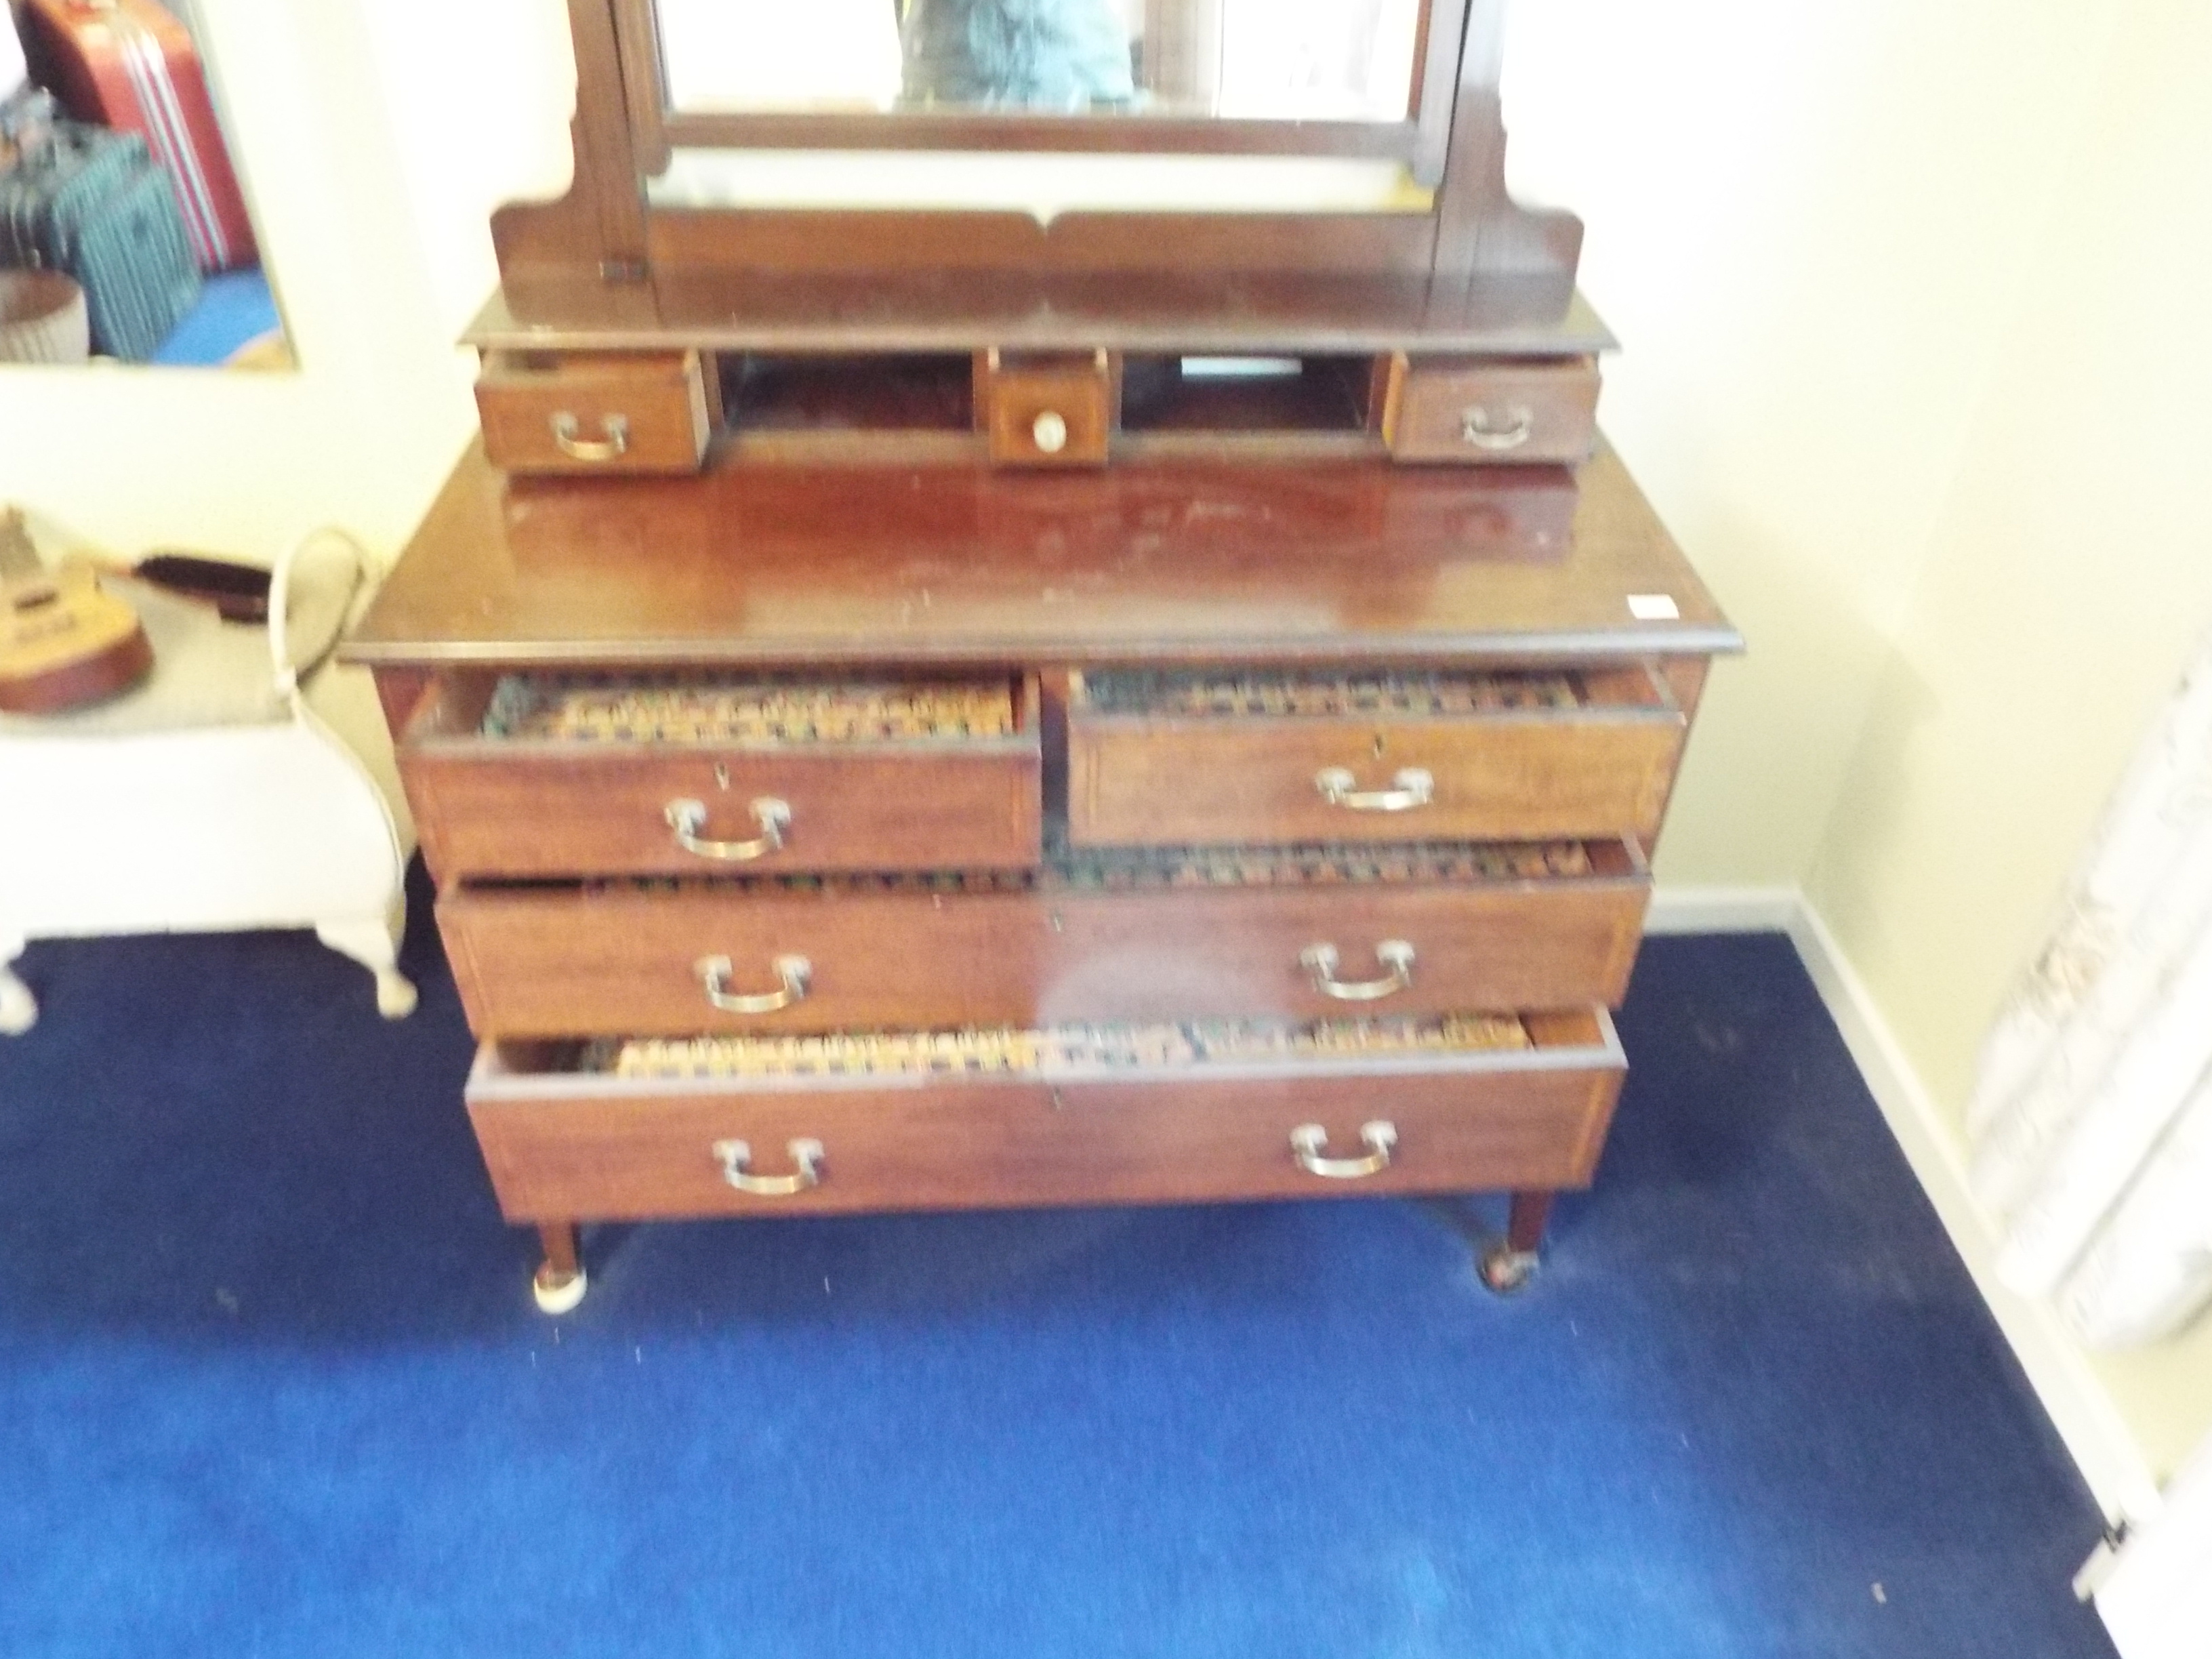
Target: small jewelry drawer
{"points": [[971, 1119], [1206, 758], [1481, 410], [1295, 933], [545, 776], [1047, 411], [613, 412]]}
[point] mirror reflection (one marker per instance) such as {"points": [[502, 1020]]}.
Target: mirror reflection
{"points": [[1306, 60], [125, 234]]}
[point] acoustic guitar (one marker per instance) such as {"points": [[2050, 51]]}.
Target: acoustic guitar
{"points": [[63, 639]]}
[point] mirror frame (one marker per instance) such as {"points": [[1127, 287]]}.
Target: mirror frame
{"points": [[605, 252], [1419, 140]]}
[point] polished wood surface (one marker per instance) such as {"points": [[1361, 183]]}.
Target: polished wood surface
{"points": [[500, 807], [628, 1152], [624, 412], [1531, 412], [1165, 563], [706, 243], [1526, 1218], [539, 962], [1514, 314], [595, 232], [1021, 400], [1138, 779], [1160, 783]]}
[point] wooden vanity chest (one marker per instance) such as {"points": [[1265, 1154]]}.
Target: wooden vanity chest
{"points": [[1039, 737]]}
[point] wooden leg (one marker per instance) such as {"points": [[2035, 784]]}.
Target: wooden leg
{"points": [[560, 1282], [1508, 1265], [1524, 1227], [19, 1009]]}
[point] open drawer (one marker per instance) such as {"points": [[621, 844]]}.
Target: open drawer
{"points": [[987, 1119], [579, 774], [1300, 933], [1208, 757]]}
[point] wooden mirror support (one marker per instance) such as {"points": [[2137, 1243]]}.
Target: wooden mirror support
{"points": [[605, 267]]}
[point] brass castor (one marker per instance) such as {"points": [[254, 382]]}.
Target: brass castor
{"points": [[558, 1292], [1506, 1271]]}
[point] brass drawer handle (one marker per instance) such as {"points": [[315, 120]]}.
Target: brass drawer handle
{"points": [[1310, 1144], [1474, 428], [1320, 961], [688, 817], [1412, 787], [736, 1154], [715, 979], [612, 447]]}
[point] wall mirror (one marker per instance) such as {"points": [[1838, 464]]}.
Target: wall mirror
{"points": [[125, 235], [1282, 77], [856, 174], [1289, 60]]}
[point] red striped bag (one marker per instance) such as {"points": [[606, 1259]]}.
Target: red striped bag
{"points": [[131, 65]]}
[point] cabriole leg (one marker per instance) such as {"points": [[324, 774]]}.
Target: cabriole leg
{"points": [[560, 1282], [375, 946], [19, 1009], [1508, 1264]]}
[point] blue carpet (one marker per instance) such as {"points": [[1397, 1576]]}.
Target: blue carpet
{"points": [[234, 307], [270, 1383]]}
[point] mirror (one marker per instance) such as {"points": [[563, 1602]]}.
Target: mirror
{"points": [[125, 230], [1273, 60]]}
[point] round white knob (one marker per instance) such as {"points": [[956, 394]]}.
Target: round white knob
{"points": [[1049, 432]]}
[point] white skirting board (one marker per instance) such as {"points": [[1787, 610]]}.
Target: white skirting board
{"points": [[1723, 910], [2057, 1369]]}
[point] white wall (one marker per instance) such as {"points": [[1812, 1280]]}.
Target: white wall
{"points": [[2068, 577], [1908, 293], [1808, 224]]}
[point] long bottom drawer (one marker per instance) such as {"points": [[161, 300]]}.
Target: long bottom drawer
{"points": [[567, 1143]]}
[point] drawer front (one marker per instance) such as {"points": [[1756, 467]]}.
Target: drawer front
{"points": [[767, 959], [627, 815], [495, 806], [594, 413], [620, 1152], [1598, 770], [1485, 413], [1049, 416]]}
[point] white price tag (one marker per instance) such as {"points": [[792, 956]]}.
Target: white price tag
{"points": [[1654, 607]]}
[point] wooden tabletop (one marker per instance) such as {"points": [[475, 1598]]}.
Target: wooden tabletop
{"points": [[1153, 562]]}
